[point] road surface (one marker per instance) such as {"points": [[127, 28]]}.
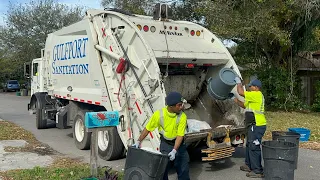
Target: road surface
{"points": [[14, 108]]}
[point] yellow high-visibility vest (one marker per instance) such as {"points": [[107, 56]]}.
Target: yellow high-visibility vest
{"points": [[254, 102]]}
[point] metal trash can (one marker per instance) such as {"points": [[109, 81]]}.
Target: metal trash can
{"points": [[279, 158], [288, 137]]}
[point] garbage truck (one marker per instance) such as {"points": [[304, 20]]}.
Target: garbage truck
{"points": [[112, 60]]}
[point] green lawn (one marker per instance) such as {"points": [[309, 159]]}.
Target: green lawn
{"points": [[65, 168], [61, 169], [281, 121], [74, 172]]}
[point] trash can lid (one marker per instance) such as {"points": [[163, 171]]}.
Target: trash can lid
{"points": [[227, 75], [279, 144], [285, 133]]}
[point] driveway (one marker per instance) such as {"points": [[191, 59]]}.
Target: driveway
{"points": [[14, 108]]}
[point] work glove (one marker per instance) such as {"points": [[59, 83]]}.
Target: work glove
{"points": [[137, 144], [237, 80], [172, 154]]}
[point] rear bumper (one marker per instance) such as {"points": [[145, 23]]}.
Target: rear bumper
{"points": [[13, 88]]}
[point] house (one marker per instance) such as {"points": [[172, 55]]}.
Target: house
{"points": [[309, 72]]}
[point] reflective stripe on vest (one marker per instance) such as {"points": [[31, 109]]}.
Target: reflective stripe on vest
{"points": [[162, 124], [255, 111]]}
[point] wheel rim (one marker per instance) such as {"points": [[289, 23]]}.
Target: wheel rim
{"points": [[103, 140], [79, 130]]}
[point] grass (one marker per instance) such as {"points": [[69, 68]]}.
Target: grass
{"points": [[66, 168], [73, 172], [281, 121], [62, 168]]}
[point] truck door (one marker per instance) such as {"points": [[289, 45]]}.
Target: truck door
{"points": [[35, 86]]}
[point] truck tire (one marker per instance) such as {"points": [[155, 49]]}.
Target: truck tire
{"points": [[110, 146], [40, 123], [82, 138]]}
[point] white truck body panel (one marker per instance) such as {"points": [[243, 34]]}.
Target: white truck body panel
{"points": [[84, 56]]}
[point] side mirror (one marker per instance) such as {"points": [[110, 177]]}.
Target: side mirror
{"points": [[27, 70]]}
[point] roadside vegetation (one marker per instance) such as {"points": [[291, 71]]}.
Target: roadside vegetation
{"points": [[67, 168], [281, 121], [62, 168]]}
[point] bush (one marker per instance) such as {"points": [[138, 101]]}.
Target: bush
{"points": [[276, 87]]}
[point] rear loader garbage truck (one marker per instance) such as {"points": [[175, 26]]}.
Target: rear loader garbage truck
{"points": [[112, 60]]}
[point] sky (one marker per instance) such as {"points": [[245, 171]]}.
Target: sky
{"points": [[4, 4]]}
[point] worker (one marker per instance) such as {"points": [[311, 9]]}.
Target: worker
{"points": [[171, 122], [255, 122]]}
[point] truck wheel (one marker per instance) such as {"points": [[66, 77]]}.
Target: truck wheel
{"points": [[82, 138], [40, 123], [110, 146]]}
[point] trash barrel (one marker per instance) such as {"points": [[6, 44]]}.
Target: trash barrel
{"points": [[221, 85], [279, 158], [144, 164], [288, 137], [24, 92], [18, 93]]}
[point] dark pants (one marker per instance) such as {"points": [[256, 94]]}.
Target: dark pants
{"points": [[253, 151], [181, 162]]}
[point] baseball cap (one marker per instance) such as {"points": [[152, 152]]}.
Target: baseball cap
{"points": [[174, 98], [255, 82]]}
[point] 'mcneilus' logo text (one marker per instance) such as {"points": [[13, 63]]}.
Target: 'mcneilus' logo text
{"points": [[170, 33]]}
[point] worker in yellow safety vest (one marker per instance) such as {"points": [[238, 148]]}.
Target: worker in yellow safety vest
{"points": [[255, 122], [171, 122]]}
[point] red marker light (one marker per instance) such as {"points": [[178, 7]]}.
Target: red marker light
{"points": [[192, 33], [146, 28], [190, 65]]}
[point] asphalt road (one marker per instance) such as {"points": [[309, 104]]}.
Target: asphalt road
{"points": [[14, 108]]}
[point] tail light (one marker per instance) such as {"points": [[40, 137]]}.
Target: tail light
{"points": [[190, 66], [198, 33], [153, 29], [237, 137], [192, 33], [139, 26], [174, 64], [146, 28], [242, 137]]}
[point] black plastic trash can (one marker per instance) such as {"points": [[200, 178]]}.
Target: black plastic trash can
{"points": [[288, 137], [143, 164], [279, 157]]}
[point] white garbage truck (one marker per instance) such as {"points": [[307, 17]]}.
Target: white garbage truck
{"points": [[112, 60]]}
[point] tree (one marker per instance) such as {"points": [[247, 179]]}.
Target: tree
{"points": [[142, 7], [27, 26]]}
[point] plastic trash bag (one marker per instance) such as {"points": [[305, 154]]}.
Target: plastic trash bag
{"points": [[196, 125]]}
